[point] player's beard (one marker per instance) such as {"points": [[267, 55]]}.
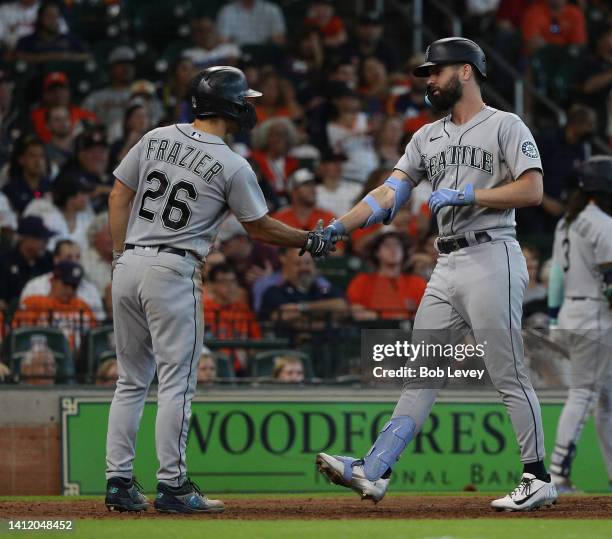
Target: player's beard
{"points": [[447, 96]]}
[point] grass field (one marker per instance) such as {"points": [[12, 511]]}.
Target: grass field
{"points": [[387, 529], [150, 525]]}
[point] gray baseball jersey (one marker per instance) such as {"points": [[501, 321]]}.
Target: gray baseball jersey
{"points": [[185, 182], [492, 149], [580, 248], [585, 316]]}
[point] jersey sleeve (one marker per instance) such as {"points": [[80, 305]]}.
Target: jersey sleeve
{"points": [[603, 248], [519, 148], [128, 170], [411, 163], [244, 196]]}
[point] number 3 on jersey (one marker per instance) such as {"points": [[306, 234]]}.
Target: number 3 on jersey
{"points": [[176, 212]]}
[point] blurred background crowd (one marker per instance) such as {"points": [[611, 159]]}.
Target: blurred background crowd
{"points": [[82, 81]]}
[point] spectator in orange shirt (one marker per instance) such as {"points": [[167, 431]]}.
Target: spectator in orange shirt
{"points": [[387, 293], [61, 308], [303, 212], [554, 22], [226, 316], [56, 93], [321, 15]]}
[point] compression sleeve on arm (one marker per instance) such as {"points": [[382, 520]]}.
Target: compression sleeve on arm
{"points": [[555, 290]]}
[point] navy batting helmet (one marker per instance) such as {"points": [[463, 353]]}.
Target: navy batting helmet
{"points": [[223, 91], [453, 50], [595, 174]]}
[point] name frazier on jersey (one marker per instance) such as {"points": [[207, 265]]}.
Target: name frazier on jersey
{"points": [[200, 163], [470, 156]]}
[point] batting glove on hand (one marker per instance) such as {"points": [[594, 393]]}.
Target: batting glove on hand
{"points": [[451, 197], [321, 240]]}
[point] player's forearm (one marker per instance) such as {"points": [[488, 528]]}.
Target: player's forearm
{"points": [[384, 196], [273, 231], [119, 202], [526, 191], [361, 211]]}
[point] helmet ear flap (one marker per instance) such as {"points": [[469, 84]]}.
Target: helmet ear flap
{"points": [[248, 117]]}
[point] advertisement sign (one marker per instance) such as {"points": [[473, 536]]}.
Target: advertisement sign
{"points": [[271, 446]]}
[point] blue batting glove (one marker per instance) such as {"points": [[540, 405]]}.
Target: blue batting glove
{"points": [[451, 197]]}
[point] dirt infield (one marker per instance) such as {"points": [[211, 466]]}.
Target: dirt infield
{"points": [[317, 508]]}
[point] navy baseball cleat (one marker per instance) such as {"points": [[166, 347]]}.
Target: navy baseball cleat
{"points": [[187, 498], [124, 495]]}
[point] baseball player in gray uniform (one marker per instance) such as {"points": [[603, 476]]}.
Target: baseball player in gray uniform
{"points": [[580, 296], [172, 190], [481, 163]]}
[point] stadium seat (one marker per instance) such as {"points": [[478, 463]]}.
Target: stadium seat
{"points": [[157, 21], [225, 371], [94, 20], [19, 342], [553, 68], [262, 364], [339, 270], [98, 344], [173, 50]]}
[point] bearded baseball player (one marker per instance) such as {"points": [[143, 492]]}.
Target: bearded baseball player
{"points": [[481, 163], [580, 295], [171, 192]]}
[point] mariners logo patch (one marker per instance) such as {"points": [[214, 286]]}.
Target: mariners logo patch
{"points": [[530, 150]]}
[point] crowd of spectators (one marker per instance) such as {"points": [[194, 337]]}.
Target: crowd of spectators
{"points": [[339, 105]]}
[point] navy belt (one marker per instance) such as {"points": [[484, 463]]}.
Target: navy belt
{"points": [[446, 246], [160, 248]]}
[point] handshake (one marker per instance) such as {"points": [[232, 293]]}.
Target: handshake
{"points": [[321, 241]]}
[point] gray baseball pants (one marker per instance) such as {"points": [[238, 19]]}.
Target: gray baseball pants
{"points": [[159, 327], [480, 289]]}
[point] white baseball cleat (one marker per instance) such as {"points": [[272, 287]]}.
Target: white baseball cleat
{"points": [[348, 472], [531, 493]]}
